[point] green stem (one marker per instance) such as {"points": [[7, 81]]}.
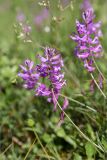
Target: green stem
{"points": [[98, 68], [30, 149], [41, 145], [80, 103], [98, 86], [78, 129]]}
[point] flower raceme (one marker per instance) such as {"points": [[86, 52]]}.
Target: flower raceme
{"points": [[86, 5], [50, 68], [87, 39], [28, 74]]}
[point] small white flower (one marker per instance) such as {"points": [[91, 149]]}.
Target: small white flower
{"points": [[47, 29]]}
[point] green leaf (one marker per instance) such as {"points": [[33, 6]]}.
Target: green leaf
{"points": [[47, 138], [90, 150], [77, 157], [60, 132], [104, 142], [90, 131], [70, 141]]}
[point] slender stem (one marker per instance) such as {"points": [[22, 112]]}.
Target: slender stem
{"points": [[7, 149], [77, 128], [45, 156], [80, 103], [98, 86], [41, 144], [98, 68], [30, 149]]}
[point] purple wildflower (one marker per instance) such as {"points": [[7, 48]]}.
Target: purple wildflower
{"points": [[42, 90], [65, 105], [20, 17], [100, 83], [41, 17], [87, 39], [28, 74], [50, 68], [101, 79], [86, 5], [92, 86], [23, 28], [26, 29]]}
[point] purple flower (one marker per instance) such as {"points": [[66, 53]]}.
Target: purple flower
{"points": [[88, 12], [101, 79], [20, 17], [23, 28], [41, 17], [65, 105], [50, 68], [85, 5], [92, 86], [28, 74], [42, 90], [100, 83], [26, 29], [88, 65], [87, 39]]}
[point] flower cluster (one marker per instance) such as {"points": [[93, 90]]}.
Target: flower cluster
{"points": [[28, 74], [87, 39], [50, 68], [23, 29], [86, 5], [41, 17]]}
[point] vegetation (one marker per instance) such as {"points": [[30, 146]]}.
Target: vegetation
{"points": [[28, 125]]}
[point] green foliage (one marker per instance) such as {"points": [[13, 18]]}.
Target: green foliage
{"points": [[22, 114], [77, 157], [90, 151]]}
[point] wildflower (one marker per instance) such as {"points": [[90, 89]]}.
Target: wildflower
{"points": [[100, 82], [41, 17], [85, 5], [20, 17], [87, 39], [28, 74], [50, 68], [47, 29], [65, 105], [101, 79], [92, 86], [42, 90], [23, 29], [26, 29]]}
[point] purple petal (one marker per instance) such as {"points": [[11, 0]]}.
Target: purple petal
{"points": [[96, 49], [81, 28], [83, 55], [92, 86], [23, 68], [89, 66], [24, 76], [100, 81]]}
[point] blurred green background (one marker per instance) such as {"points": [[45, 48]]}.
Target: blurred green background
{"points": [[24, 116]]}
